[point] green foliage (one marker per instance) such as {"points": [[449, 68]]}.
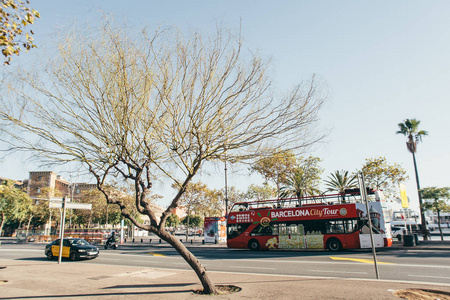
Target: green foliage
{"points": [[438, 205], [304, 179], [15, 204], [339, 181], [173, 221], [438, 195], [103, 212], [410, 129], [14, 17], [194, 221], [233, 194], [276, 167], [258, 193], [381, 175], [201, 200]]}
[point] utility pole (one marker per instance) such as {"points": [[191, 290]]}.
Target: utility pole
{"points": [[363, 193], [226, 189]]}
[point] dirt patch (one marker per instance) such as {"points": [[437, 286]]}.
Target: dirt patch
{"points": [[223, 290], [419, 294]]}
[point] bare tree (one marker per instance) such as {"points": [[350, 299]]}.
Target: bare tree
{"points": [[146, 107]]}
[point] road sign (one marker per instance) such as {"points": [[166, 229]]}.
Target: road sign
{"points": [[79, 205], [56, 204], [59, 199]]}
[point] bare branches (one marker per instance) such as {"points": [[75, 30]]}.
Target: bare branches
{"points": [[156, 106]]}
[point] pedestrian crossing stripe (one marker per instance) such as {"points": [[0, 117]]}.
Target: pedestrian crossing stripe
{"points": [[155, 254], [366, 261]]}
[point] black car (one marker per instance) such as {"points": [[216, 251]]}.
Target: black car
{"points": [[73, 248]]}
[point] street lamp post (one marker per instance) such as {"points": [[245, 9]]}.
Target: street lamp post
{"points": [[226, 190], [73, 185]]}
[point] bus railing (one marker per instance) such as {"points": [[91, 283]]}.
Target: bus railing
{"points": [[329, 199]]}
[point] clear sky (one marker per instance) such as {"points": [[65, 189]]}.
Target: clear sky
{"points": [[382, 62]]}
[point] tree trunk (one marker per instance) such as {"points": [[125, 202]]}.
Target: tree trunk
{"points": [[3, 222], [28, 225], [187, 225], [208, 285], [439, 223], [422, 214]]}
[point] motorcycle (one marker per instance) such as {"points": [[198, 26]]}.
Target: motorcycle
{"points": [[112, 244]]}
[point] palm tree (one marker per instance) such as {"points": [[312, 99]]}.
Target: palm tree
{"points": [[299, 185], [410, 129], [339, 181]]}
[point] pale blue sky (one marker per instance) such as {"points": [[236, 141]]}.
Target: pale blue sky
{"points": [[382, 62]]}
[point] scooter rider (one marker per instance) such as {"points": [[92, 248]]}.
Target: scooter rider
{"points": [[111, 239]]}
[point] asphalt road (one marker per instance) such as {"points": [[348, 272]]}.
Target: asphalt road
{"points": [[411, 265]]}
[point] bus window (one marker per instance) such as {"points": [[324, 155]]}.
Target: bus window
{"points": [[351, 226], [335, 226], [263, 230], [365, 229], [317, 226], [235, 230], [289, 228]]}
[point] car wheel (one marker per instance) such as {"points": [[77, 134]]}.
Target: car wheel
{"points": [[73, 256], [49, 255], [334, 245], [253, 245]]}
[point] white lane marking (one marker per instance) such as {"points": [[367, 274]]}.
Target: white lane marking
{"points": [[241, 267], [324, 271], [440, 277]]}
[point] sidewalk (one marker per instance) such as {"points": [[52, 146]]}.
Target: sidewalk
{"points": [[41, 279]]}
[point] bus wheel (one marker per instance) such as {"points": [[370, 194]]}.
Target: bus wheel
{"points": [[253, 245], [334, 245]]}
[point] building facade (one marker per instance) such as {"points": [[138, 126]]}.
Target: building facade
{"points": [[46, 184]]}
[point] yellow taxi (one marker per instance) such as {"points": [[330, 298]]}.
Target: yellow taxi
{"points": [[73, 248]]}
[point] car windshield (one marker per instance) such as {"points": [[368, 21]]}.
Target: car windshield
{"points": [[79, 242]]}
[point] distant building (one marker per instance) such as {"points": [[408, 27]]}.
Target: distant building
{"points": [[180, 212], [40, 184], [77, 189]]}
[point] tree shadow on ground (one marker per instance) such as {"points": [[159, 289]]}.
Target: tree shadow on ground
{"points": [[106, 295], [143, 286]]}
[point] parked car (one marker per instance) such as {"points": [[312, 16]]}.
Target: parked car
{"points": [[73, 248], [397, 232]]}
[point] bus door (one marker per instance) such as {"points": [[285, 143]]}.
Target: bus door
{"points": [[66, 248], [364, 238]]}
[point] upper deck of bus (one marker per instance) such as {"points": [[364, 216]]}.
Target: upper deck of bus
{"points": [[350, 196]]}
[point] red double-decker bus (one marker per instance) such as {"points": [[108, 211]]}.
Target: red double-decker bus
{"points": [[333, 222]]}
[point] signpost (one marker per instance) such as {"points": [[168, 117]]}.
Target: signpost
{"points": [[363, 191], [63, 204]]}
